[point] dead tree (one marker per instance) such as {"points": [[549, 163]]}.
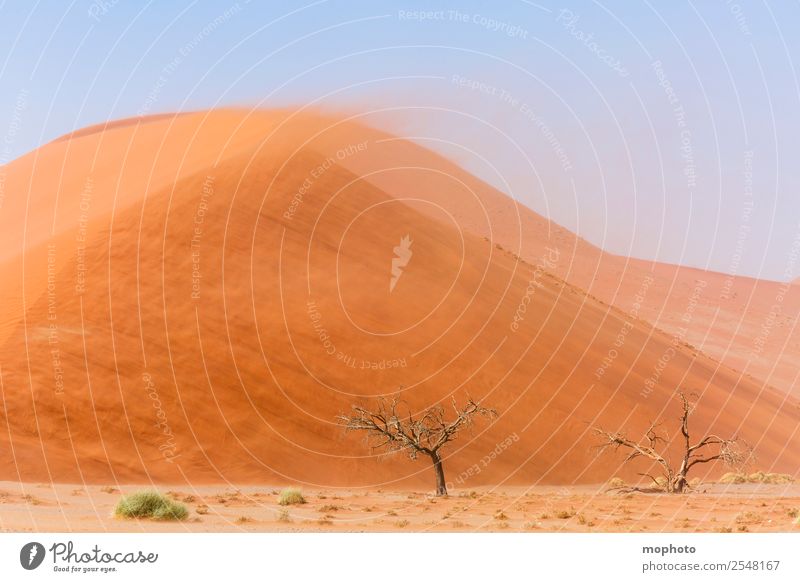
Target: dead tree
{"points": [[652, 445], [426, 433]]}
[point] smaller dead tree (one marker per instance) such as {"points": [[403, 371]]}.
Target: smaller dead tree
{"points": [[426, 433], [733, 451]]}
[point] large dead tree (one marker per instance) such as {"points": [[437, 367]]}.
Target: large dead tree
{"points": [[426, 433], [652, 445]]}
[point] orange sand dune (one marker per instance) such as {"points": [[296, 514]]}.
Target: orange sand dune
{"points": [[747, 324], [195, 298]]}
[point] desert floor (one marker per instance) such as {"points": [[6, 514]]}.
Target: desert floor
{"points": [[713, 508]]}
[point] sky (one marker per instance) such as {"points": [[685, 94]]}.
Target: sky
{"points": [[659, 130]]}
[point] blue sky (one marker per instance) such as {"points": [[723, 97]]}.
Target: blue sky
{"points": [[664, 130]]}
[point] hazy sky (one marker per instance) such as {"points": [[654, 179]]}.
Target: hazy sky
{"points": [[663, 130]]}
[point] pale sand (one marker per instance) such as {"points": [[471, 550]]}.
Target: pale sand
{"points": [[717, 508]]}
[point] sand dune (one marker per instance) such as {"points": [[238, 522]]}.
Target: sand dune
{"points": [[196, 297]]}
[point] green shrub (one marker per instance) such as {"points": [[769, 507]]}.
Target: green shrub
{"points": [[150, 504], [291, 497]]}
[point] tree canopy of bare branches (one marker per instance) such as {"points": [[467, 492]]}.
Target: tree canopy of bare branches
{"points": [[427, 432], [653, 446]]}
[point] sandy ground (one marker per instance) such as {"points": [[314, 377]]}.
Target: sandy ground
{"points": [[713, 508]]}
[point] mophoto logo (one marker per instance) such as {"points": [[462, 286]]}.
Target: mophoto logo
{"points": [[402, 254], [31, 555]]}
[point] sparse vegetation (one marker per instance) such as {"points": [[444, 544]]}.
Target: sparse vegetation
{"points": [[565, 514], [291, 496], [757, 477], [748, 518], [402, 523], [283, 516], [151, 505], [615, 483], [733, 478]]}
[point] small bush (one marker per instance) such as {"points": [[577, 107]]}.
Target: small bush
{"points": [[757, 477], [284, 517], [733, 478], [291, 497], [150, 504], [615, 483], [748, 517], [778, 478], [564, 514], [402, 523]]}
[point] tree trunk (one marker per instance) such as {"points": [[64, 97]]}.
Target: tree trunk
{"points": [[441, 488], [680, 482]]}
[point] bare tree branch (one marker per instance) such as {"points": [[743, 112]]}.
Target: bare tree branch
{"points": [[427, 433], [732, 451]]}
